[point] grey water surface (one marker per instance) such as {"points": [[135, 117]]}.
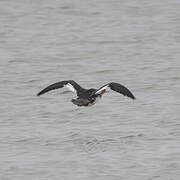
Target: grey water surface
{"points": [[132, 42]]}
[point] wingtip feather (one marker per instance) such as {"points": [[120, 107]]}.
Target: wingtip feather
{"points": [[134, 98], [38, 94]]}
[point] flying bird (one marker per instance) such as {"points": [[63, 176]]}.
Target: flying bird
{"points": [[88, 97]]}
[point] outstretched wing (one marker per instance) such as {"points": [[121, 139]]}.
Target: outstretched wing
{"points": [[70, 84], [115, 87]]}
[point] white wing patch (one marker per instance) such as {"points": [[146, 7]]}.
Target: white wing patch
{"points": [[103, 89], [70, 87]]}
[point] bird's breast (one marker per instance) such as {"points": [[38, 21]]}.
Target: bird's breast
{"points": [[94, 100]]}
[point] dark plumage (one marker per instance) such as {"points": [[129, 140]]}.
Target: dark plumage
{"points": [[86, 97]]}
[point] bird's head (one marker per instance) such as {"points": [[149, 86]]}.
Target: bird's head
{"points": [[91, 90]]}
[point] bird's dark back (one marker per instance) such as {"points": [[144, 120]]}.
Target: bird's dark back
{"points": [[87, 93]]}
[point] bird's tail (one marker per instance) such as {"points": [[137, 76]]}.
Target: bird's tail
{"points": [[80, 102]]}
